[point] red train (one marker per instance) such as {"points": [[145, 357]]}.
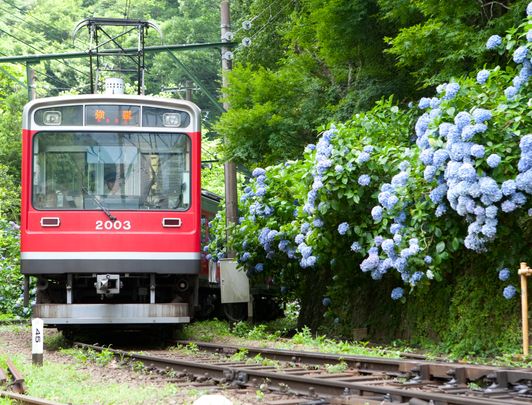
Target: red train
{"points": [[112, 210]]}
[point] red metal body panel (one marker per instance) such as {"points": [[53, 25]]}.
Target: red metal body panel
{"points": [[77, 231]]}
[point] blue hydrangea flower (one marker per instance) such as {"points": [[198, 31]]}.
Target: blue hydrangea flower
{"points": [[388, 246], [355, 247], [400, 180], [259, 267], [520, 54], [258, 172], [338, 168], [510, 92], [526, 144], [397, 293], [318, 223], [283, 245], [245, 256], [300, 238], [364, 180], [509, 292], [305, 250], [524, 181], [518, 81], [477, 151], [429, 173], [440, 157], [518, 199], [438, 194], [481, 114], [462, 119], [370, 263], [493, 160], [426, 156], [310, 147], [451, 90], [305, 227], [440, 210], [508, 206], [435, 102], [368, 148], [343, 228], [395, 228], [493, 42], [529, 36], [529, 9], [483, 76], [422, 124], [416, 277], [424, 102], [427, 259], [326, 302], [376, 213], [467, 172], [404, 165], [363, 157], [390, 201]]}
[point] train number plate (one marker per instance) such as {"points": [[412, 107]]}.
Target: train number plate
{"points": [[113, 225]]}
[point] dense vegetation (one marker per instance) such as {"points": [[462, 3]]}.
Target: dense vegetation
{"points": [[427, 202]]}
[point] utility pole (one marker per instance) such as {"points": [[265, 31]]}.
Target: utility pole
{"points": [[231, 206]]}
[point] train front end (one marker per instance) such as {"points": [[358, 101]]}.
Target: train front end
{"points": [[110, 216]]}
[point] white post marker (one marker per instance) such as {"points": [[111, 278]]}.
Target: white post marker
{"points": [[37, 338]]}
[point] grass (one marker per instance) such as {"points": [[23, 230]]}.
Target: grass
{"points": [[271, 335], [67, 383]]}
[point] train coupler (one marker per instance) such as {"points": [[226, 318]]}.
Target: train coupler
{"points": [[107, 284]]}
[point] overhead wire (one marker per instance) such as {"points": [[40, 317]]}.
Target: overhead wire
{"points": [[42, 42], [43, 73], [267, 8], [40, 51], [42, 22], [270, 20]]}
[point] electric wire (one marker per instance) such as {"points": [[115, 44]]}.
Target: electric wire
{"points": [[43, 44], [266, 24], [268, 7], [37, 49], [40, 51], [42, 22]]}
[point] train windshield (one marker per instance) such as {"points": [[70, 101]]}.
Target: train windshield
{"points": [[123, 171]]}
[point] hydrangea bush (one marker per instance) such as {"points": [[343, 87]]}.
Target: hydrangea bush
{"points": [[398, 194], [11, 298]]}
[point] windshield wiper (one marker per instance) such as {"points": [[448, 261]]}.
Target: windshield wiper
{"points": [[98, 202]]}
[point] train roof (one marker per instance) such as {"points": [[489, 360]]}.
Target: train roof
{"points": [[162, 102]]}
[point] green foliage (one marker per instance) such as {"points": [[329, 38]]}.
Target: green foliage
{"points": [[437, 41], [310, 226], [67, 383], [205, 331], [101, 358]]}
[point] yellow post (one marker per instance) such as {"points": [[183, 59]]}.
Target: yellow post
{"points": [[524, 272]]}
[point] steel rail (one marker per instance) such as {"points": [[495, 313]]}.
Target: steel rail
{"points": [[303, 385], [462, 373], [26, 399]]}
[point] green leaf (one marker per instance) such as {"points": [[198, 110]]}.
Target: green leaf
{"points": [[440, 247]]}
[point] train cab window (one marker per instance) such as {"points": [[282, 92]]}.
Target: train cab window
{"points": [[121, 171]]}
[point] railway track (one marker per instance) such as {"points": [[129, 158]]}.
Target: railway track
{"points": [[15, 382], [370, 380]]}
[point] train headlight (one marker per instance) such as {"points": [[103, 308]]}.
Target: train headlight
{"points": [[52, 118], [171, 120]]}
